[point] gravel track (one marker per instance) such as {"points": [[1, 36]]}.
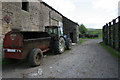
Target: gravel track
{"points": [[86, 60]]}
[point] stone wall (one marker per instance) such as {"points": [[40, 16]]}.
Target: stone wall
{"points": [[0, 30], [50, 16], [37, 16], [0, 21], [21, 19], [1, 41], [71, 29]]}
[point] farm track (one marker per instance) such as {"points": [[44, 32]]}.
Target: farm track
{"points": [[86, 60]]}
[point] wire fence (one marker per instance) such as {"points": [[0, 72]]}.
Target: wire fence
{"points": [[111, 34]]}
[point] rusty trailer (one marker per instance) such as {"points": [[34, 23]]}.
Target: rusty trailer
{"points": [[23, 44], [32, 44]]}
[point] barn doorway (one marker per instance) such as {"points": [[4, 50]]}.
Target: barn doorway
{"points": [[71, 36]]}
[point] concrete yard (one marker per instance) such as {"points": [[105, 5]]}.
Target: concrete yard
{"points": [[86, 60]]}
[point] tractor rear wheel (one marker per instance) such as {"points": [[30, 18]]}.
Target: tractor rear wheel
{"points": [[35, 57], [59, 46]]}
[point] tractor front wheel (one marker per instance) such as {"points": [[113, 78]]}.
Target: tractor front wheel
{"points": [[69, 44]]}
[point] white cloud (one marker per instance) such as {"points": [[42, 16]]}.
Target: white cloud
{"points": [[109, 7], [97, 12], [106, 4], [63, 6]]}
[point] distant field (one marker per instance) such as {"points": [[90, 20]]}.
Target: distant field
{"points": [[95, 32]]}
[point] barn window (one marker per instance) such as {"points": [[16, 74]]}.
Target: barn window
{"points": [[25, 6]]}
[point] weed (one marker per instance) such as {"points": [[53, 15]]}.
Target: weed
{"points": [[111, 50]]}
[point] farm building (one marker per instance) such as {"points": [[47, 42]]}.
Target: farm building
{"points": [[28, 16], [70, 28], [33, 16]]}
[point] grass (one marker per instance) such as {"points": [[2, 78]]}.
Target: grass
{"points": [[95, 32], [111, 50], [81, 41], [93, 38]]}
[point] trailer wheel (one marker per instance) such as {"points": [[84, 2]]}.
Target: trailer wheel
{"points": [[68, 44], [35, 57], [59, 46]]}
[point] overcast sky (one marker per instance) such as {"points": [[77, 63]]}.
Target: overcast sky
{"points": [[91, 13]]}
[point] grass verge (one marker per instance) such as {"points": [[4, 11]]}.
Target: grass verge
{"points": [[92, 38], [111, 50], [81, 41]]}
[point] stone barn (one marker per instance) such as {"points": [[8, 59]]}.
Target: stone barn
{"points": [[70, 28], [28, 16], [33, 16]]}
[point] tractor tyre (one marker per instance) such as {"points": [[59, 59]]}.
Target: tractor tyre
{"points": [[35, 57], [68, 44], [59, 46]]}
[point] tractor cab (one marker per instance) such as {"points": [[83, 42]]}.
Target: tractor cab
{"points": [[54, 31]]}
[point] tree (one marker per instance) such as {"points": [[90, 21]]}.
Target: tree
{"points": [[82, 29]]}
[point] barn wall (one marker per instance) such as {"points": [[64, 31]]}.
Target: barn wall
{"points": [[70, 27], [37, 16], [21, 19], [50, 16], [0, 33]]}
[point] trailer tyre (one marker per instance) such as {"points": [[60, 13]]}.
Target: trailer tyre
{"points": [[35, 57], [59, 46], [69, 44]]}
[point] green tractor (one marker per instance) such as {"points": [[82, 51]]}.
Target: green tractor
{"points": [[59, 42]]}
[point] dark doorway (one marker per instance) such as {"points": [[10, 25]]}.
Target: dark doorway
{"points": [[25, 6], [71, 36]]}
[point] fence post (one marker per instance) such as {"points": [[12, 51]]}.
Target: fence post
{"points": [[114, 22], [106, 34], [103, 33], [119, 32], [110, 33]]}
